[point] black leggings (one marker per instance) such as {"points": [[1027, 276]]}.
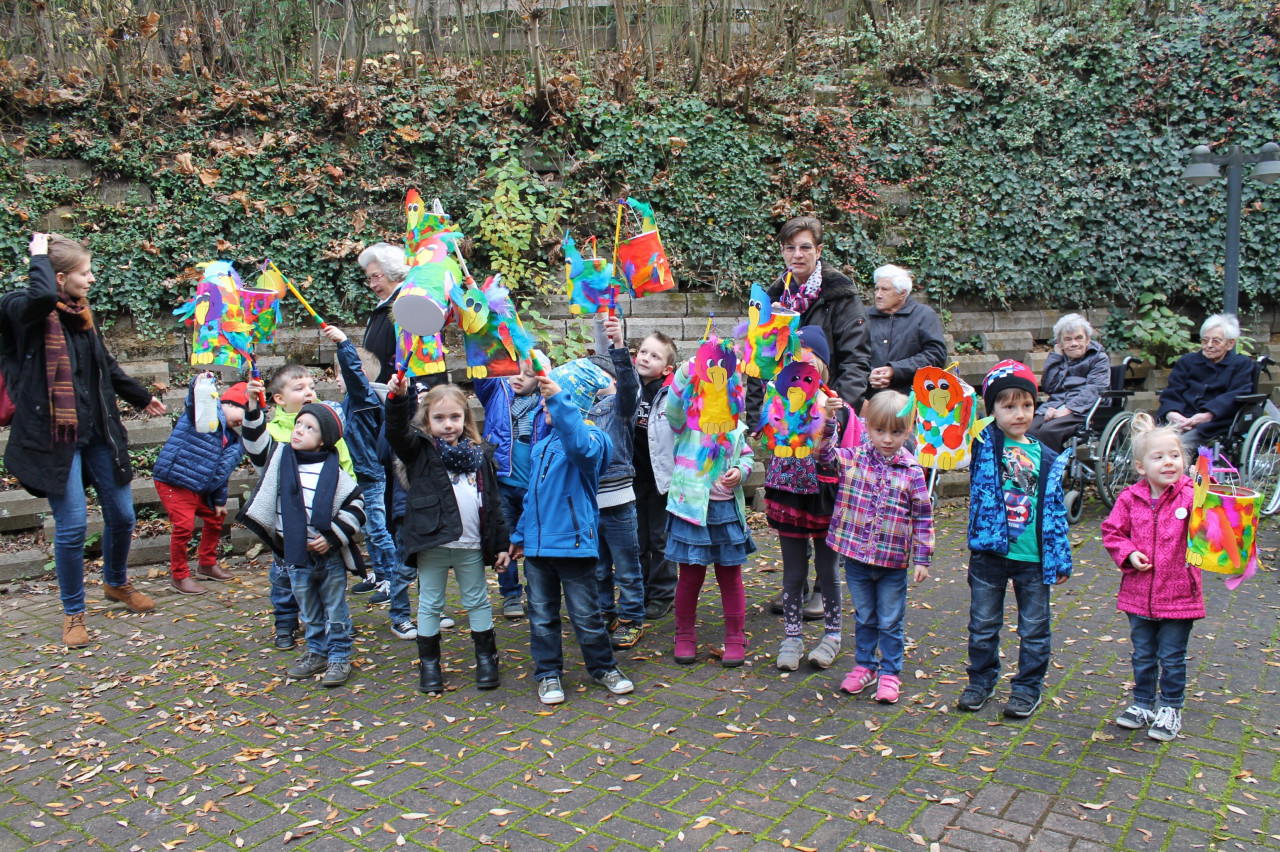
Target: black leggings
{"points": [[795, 570]]}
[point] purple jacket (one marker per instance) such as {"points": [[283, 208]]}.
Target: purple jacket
{"points": [[1172, 588]]}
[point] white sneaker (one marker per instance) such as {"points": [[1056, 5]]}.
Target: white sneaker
{"points": [[616, 682], [550, 691], [1166, 725], [446, 622], [405, 630]]}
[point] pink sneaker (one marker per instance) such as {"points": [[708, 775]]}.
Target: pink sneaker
{"points": [[890, 686], [857, 680]]}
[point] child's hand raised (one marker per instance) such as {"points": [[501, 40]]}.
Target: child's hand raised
{"points": [[833, 405], [254, 389], [1140, 561], [397, 385], [547, 387], [332, 332], [613, 330]]}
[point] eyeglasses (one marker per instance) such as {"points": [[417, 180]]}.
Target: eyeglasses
{"points": [[1212, 341], [375, 277], [804, 248]]}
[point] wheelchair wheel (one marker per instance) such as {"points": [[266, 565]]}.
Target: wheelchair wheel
{"points": [[1113, 467], [1074, 503], [1260, 462]]}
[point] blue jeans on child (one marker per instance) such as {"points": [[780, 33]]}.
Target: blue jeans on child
{"points": [[546, 578], [880, 599], [512, 509], [1159, 654], [284, 607], [94, 462], [989, 576], [321, 590], [382, 549], [619, 565], [402, 576], [433, 575]]}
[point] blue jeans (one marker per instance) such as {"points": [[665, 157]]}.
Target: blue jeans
{"points": [[1159, 653], [382, 549], [284, 607], [512, 509], [95, 463], [619, 564], [546, 578], [402, 576], [433, 575], [880, 600], [321, 590], [989, 576]]}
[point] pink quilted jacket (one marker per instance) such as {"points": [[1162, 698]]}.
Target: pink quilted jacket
{"points": [[1172, 588]]}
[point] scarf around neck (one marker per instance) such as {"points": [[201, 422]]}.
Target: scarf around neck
{"points": [[461, 458], [75, 314], [293, 506], [799, 299]]}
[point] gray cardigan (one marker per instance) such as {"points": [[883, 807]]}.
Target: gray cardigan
{"points": [[1075, 384], [906, 340]]}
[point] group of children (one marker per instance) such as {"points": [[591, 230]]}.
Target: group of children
{"points": [[594, 476]]}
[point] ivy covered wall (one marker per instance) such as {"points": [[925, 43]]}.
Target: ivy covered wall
{"points": [[1043, 167]]}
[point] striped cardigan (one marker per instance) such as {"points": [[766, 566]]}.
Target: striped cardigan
{"points": [[258, 515]]}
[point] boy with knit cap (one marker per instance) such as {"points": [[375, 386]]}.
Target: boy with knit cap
{"points": [[309, 510], [1017, 534]]}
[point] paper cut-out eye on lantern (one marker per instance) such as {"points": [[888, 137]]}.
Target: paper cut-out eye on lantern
{"points": [[493, 337], [946, 418], [794, 411]]}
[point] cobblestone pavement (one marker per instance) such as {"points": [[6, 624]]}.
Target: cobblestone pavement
{"points": [[179, 731]]}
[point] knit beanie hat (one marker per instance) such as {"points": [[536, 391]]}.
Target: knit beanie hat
{"points": [[604, 362], [814, 338], [582, 380], [1007, 374], [236, 395], [330, 423]]}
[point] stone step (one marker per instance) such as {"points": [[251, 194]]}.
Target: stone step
{"points": [[144, 552]]}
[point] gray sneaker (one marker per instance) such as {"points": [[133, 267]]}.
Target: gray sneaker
{"points": [[550, 691], [512, 608], [616, 682], [308, 664], [1167, 723], [1135, 717], [826, 651], [336, 674], [789, 653]]}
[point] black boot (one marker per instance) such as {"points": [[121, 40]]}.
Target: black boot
{"points": [[486, 659], [430, 676]]}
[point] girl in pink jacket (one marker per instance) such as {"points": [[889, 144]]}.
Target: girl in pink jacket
{"points": [[1146, 534]]}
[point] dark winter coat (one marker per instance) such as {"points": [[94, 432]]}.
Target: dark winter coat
{"points": [[432, 518], [1197, 384], [200, 462], [838, 309], [1077, 384], [905, 340], [31, 455], [380, 337], [362, 411]]}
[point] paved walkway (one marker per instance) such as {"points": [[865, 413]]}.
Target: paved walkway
{"points": [[179, 732]]}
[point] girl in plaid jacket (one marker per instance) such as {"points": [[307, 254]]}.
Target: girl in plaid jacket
{"points": [[883, 522]]}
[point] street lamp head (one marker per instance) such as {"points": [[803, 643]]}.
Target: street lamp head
{"points": [[1268, 168], [1201, 170]]}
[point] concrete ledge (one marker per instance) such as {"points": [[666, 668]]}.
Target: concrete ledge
{"points": [[1006, 344]]}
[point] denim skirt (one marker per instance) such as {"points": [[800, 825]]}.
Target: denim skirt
{"points": [[725, 540]]}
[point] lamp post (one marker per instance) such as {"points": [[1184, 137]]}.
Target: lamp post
{"points": [[1204, 168]]}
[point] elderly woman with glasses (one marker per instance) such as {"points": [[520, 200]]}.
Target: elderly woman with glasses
{"points": [[905, 335], [1076, 373], [384, 269], [1200, 400]]}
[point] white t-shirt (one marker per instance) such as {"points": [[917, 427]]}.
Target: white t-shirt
{"points": [[468, 497], [309, 478]]}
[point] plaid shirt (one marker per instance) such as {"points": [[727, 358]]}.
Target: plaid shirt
{"points": [[883, 507]]}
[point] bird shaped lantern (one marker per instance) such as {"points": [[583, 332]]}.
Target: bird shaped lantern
{"points": [[947, 421], [794, 411], [494, 339], [772, 336]]}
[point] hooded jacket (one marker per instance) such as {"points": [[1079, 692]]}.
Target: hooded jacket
{"points": [[362, 411], [989, 520], [1172, 588], [616, 414], [560, 514], [200, 462]]}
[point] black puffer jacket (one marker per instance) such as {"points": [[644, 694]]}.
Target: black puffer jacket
{"points": [[838, 309], [432, 517], [31, 454]]}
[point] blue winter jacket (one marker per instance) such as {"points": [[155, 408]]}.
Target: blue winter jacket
{"points": [[495, 397], [988, 518], [362, 410], [200, 462], [560, 514], [616, 415]]}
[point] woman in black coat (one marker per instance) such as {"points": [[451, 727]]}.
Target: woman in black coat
{"points": [[66, 430]]}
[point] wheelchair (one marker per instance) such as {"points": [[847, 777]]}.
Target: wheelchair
{"points": [[1096, 432], [1251, 443]]}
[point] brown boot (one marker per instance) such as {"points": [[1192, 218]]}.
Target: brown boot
{"points": [[74, 634], [133, 599], [214, 572], [187, 585]]}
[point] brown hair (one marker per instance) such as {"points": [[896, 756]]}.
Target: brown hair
{"points": [[884, 411], [370, 363], [1009, 394], [286, 374], [66, 255], [452, 393], [798, 224], [665, 339]]}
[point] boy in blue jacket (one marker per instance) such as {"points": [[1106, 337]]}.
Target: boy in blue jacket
{"points": [[1018, 534], [557, 535], [362, 403], [191, 476]]}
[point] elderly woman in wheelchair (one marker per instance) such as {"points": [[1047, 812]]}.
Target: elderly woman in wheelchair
{"points": [[1204, 387]]}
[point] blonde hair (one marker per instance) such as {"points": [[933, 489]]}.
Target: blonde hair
{"points": [[1143, 430], [451, 393], [65, 254], [884, 411]]}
